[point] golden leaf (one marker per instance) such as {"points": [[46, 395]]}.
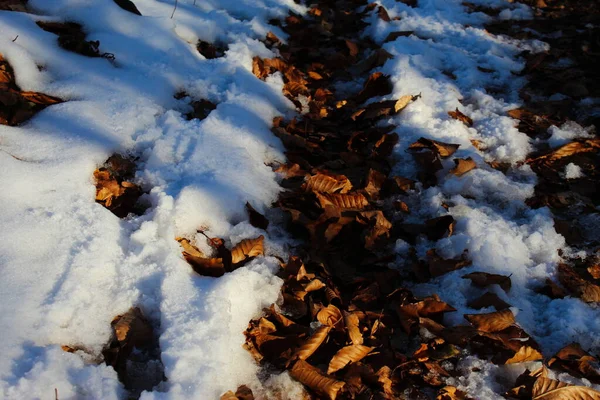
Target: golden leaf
{"points": [[346, 355], [463, 165], [461, 117], [330, 316], [352, 324], [247, 248], [550, 389], [206, 266], [312, 343], [308, 375], [441, 148], [189, 248], [492, 322], [327, 183], [525, 353], [403, 101], [349, 201], [40, 98]]}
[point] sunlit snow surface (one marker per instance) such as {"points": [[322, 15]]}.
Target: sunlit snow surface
{"points": [[69, 266]]}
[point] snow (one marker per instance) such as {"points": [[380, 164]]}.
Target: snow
{"points": [[573, 171], [567, 132], [69, 265]]}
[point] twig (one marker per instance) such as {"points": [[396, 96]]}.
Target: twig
{"points": [[15, 38], [174, 8], [55, 393]]}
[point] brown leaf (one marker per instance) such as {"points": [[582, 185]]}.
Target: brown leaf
{"points": [[483, 279], [330, 316], [247, 248], [489, 300], [461, 117], [206, 266], [347, 355], [118, 197], [383, 14], [525, 353], [352, 48], [439, 266], [308, 375], [312, 343], [256, 219], [352, 324], [463, 165], [373, 183], [443, 149], [327, 183], [403, 101], [395, 35], [577, 362], [378, 84], [379, 226], [440, 227], [450, 393], [569, 149], [347, 201], [40, 98], [132, 328], [550, 389], [492, 322], [587, 291], [189, 248]]}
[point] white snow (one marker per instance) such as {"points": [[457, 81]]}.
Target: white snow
{"points": [[567, 132], [573, 171], [69, 265]]}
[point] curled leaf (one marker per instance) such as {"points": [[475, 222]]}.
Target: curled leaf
{"points": [[247, 248], [463, 165], [330, 316], [492, 322], [347, 355], [312, 343], [525, 353], [461, 117], [550, 389], [308, 375], [351, 322], [327, 183]]}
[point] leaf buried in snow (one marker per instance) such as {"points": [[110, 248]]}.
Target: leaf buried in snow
{"points": [[492, 322], [128, 5], [40, 98], [206, 266], [395, 35], [450, 393], [489, 300], [312, 343], [403, 101], [330, 316], [383, 14], [119, 197], [439, 266], [378, 84], [310, 376], [327, 183], [443, 149], [351, 322], [189, 248], [550, 389], [346, 201], [440, 227], [132, 328], [247, 248], [483, 279], [242, 393], [256, 219], [462, 166], [347, 355], [461, 117]]}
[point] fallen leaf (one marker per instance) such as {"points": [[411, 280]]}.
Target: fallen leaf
{"points": [[347, 355], [395, 35], [213, 267], [383, 14], [351, 322], [256, 219], [330, 316], [550, 389], [352, 48], [461, 117], [586, 291], [246, 249], [314, 379], [450, 393], [403, 101], [128, 5], [484, 279], [132, 329], [347, 201], [311, 344], [463, 165], [569, 149], [524, 354], [443, 149], [492, 322], [439, 266], [489, 300], [327, 183]]}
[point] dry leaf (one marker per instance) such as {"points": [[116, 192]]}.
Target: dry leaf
{"points": [[550, 389], [461, 117], [132, 328], [403, 101], [383, 14], [463, 165], [443, 149], [483, 279], [308, 375], [525, 353], [189, 248], [327, 183], [330, 316], [347, 201], [213, 267], [587, 291], [439, 266], [450, 393], [351, 322], [346, 355], [247, 248], [492, 322], [312, 343], [256, 219], [569, 149], [489, 300]]}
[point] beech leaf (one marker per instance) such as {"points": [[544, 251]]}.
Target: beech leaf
{"points": [[247, 248], [347, 355], [308, 375], [492, 322]]}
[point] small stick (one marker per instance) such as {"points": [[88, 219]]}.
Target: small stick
{"points": [[56, 393], [174, 8], [15, 38]]}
